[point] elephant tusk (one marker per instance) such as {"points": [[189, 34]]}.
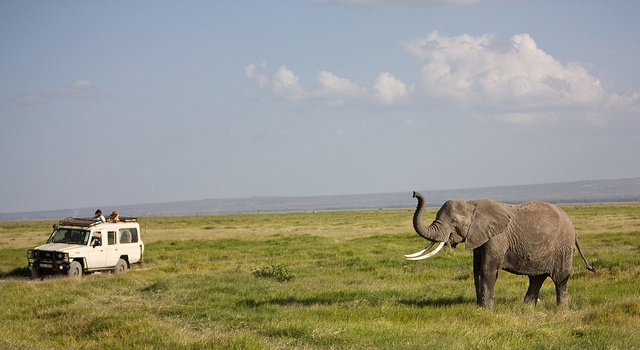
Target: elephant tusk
{"points": [[421, 252], [434, 252]]}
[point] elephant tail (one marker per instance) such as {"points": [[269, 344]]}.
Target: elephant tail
{"points": [[586, 263]]}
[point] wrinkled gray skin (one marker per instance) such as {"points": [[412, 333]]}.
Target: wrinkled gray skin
{"points": [[536, 239]]}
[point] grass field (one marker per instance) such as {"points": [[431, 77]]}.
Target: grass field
{"points": [[318, 281]]}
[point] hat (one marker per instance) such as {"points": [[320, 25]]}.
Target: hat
{"points": [[114, 213]]}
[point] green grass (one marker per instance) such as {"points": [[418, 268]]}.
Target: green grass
{"points": [[318, 281]]}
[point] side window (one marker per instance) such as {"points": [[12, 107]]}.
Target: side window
{"points": [[134, 235], [96, 239], [128, 235], [111, 237]]}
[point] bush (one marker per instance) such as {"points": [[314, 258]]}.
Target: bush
{"points": [[278, 271]]}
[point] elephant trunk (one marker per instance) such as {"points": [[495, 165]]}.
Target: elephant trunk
{"points": [[433, 232]]}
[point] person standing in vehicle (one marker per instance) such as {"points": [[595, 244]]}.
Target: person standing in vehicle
{"points": [[99, 217], [114, 217]]}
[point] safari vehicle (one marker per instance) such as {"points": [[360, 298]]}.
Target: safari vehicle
{"points": [[78, 246]]}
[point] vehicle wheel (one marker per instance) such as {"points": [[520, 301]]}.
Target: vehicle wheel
{"points": [[75, 269], [35, 273], [121, 266]]}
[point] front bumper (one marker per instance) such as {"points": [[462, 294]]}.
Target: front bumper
{"points": [[47, 261]]}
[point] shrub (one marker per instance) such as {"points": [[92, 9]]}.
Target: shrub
{"points": [[278, 271]]}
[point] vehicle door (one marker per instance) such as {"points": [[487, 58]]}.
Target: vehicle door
{"points": [[112, 248], [96, 253]]}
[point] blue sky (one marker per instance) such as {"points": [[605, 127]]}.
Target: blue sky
{"points": [[107, 103]]}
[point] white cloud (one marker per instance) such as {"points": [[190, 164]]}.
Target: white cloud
{"points": [[389, 90], [472, 71], [331, 89], [251, 69], [283, 83], [510, 81], [331, 85], [79, 89], [513, 78], [26, 100], [337, 91]]}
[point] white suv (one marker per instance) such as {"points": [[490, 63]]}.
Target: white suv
{"points": [[79, 246]]}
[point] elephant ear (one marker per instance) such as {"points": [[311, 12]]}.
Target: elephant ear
{"points": [[488, 220]]}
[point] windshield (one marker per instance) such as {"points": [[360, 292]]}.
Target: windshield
{"points": [[70, 236]]}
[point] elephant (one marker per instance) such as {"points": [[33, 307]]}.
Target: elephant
{"points": [[534, 238]]}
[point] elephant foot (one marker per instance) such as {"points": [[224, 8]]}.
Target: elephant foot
{"points": [[531, 300], [563, 299], [487, 304]]}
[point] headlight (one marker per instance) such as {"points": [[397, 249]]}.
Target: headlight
{"points": [[61, 256]]}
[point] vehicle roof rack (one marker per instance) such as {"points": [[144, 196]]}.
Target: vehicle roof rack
{"points": [[88, 222], [128, 219]]}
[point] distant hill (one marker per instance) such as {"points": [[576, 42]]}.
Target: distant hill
{"points": [[597, 191]]}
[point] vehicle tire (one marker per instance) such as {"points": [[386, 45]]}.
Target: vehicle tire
{"points": [[35, 273], [75, 269], [121, 266]]}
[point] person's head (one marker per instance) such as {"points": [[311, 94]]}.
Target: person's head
{"points": [[98, 212], [114, 214]]}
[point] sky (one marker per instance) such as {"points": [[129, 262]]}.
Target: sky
{"points": [[107, 103]]}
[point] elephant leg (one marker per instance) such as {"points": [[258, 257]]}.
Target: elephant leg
{"points": [[477, 276], [562, 294], [485, 273], [535, 283]]}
